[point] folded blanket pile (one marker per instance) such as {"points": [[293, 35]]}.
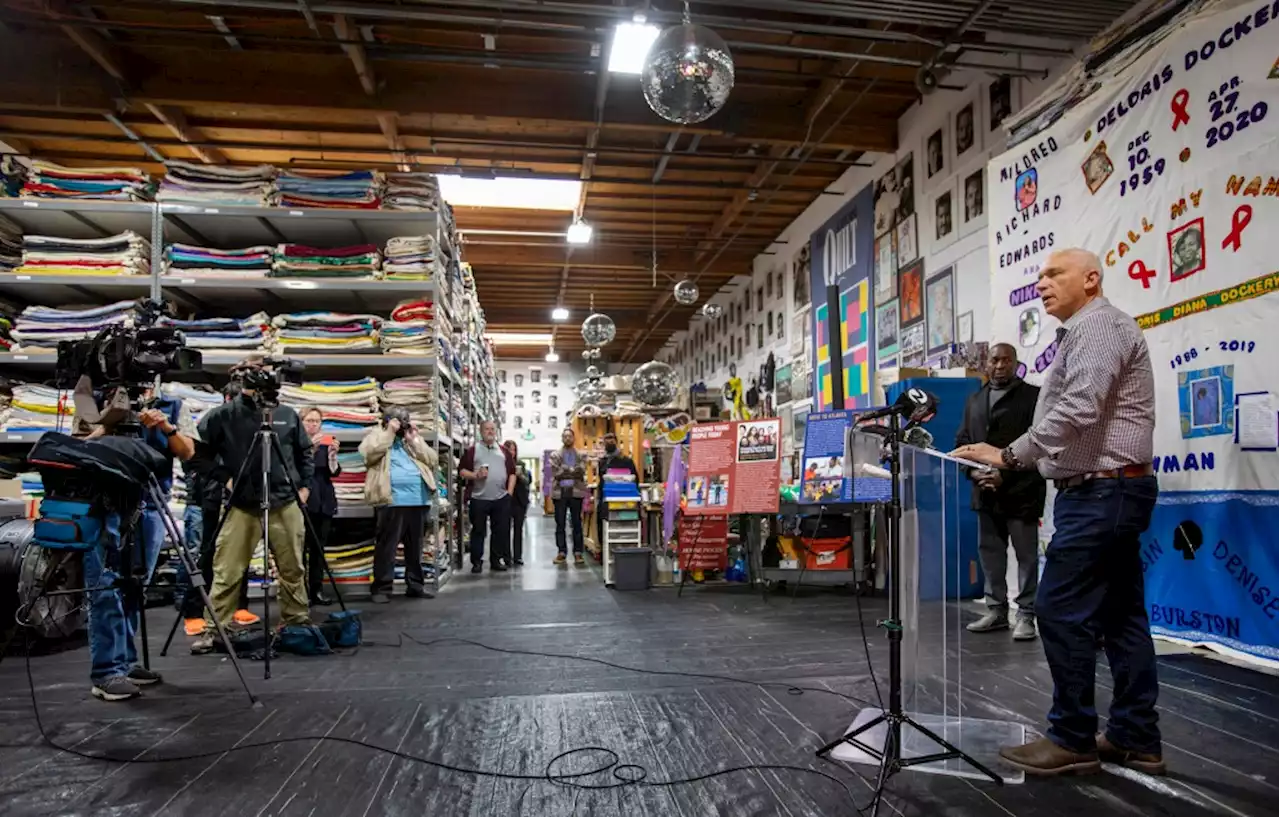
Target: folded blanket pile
{"points": [[230, 334], [38, 408], [197, 400], [42, 327], [410, 258], [411, 191], [50, 181], [361, 189], [407, 338], [417, 394], [346, 404], [349, 485], [326, 333], [126, 253], [186, 183], [301, 261], [246, 262]]}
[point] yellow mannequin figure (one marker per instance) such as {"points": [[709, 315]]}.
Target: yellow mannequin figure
{"points": [[733, 393]]}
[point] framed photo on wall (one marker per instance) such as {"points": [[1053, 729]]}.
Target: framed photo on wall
{"points": [[886, 266], [887, 330], [937, 155], [943, 224], [940, 299], [911, 294], [973, 194], [908, 241], [999, 102], [964, 328], [968, 129]]}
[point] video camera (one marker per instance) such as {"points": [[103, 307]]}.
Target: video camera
{"points": [[267, 375], [130, 355]]}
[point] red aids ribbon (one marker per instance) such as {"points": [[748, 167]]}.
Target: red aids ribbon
{"points": [[1138, 271], [1179, 108], [1239, 220]]}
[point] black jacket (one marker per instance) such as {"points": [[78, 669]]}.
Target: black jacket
{"points": [[1021, 495], [227, 442], [323, 499], [520, 497]]}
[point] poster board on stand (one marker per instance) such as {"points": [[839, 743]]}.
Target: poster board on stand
{"points": [[734, 467], [822, 468]]}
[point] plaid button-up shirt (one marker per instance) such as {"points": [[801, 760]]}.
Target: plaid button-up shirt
{"points": [[1097, 406]]}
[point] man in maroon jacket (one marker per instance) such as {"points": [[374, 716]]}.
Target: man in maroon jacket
{"points": [[489, 473]]}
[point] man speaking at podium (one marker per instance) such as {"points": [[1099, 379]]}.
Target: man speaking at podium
{"points": [[1092, 436]]}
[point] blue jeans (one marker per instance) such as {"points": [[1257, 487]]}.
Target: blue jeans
{"points": [[108, 630], [192, 534], [1091, 589]]}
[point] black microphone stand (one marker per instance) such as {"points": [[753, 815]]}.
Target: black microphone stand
{"points": [[890, 755]]}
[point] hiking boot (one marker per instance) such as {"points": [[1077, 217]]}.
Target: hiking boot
{"points": [[1145, 762], [1024, 629], [1044, 758], [203, 645], [143, 677], [989, 623], [559, 560], [115, 688]]}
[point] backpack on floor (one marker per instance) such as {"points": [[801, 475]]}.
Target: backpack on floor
{"points": [[302, 639], [343, 629]]}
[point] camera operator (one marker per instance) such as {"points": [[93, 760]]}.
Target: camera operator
{"points": [[400, 483], [113, 616], [227, 443]]}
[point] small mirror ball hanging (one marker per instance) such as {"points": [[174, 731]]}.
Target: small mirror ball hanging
{"points": [[686, 293], [654, 384], [598, 329], [712, 311], [594, 373], [688, 73]]}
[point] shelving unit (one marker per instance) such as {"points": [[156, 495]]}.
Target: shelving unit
{"points": [[231, 227]]}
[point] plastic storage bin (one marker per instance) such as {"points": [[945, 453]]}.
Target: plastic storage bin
{"points": [[632, 568]]}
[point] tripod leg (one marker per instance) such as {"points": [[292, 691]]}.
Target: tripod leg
{"points": [[933, 736], [852, 735], [887, 767], [172, 632], [310, 531]]}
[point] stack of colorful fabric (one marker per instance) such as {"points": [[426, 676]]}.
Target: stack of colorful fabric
{"points": [[126, 253], [407, 338], [349, 485], [228, 334], [410, 258], [6, 328], [196, 400], [186, 183], [49, 181], [301, 261], [42, 327], [352, 565], [38, 408], [417, 394], [246, 262], [411, 191], [346, 404], [360, 190], [326, 333]]}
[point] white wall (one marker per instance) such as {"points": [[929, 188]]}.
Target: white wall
{"points": [[968, 253], [535, 417]]}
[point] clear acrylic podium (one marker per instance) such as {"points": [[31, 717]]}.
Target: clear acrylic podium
{"points": [[939, 579]]}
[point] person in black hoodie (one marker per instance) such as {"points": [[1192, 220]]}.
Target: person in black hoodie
{"points": [[519, 506], [322, 504], [1009, 503]]}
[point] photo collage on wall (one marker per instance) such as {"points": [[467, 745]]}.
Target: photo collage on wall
{"points": [[896, 254], [532, 401]]}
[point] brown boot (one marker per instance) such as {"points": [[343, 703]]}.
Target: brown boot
{"points": [[1145, 762], [1044, 758]]}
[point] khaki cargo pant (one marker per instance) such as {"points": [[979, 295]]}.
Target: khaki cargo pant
{"points": [[240, 535]]}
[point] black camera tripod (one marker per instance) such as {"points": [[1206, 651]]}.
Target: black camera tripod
{"points": [[268, 444], [894, 717]]}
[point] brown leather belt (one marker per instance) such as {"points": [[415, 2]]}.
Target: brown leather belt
{"points": [[1127, 472]]}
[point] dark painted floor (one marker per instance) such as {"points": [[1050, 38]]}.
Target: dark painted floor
{"points": [[465, 706]]}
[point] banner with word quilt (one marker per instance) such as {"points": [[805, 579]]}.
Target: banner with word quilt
{"points": [[1168, 171]]}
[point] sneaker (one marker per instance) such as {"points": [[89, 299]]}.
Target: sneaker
{"points": [[203, 645], [498, 567], [1024, 629], [1145, 762], [380, 598], [476, 568], [559, 560], [992, 621], [518, 563], [116, 688], [193, 626], [244, 618], [143, 677], [578, 561]]}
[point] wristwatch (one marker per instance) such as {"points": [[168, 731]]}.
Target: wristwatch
{"points": [[171, 432]]}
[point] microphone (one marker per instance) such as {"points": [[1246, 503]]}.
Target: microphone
{"points": [[916, 405]]}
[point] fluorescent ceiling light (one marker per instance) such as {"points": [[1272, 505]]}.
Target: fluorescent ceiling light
{"points": [[631, 43], [519, 338], [579, 233], [559, 314], [552, 357], [523, 194]]}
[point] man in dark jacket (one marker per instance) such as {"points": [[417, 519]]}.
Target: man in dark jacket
{"points": [[613, 458], [228, 441], [1009, 503]]}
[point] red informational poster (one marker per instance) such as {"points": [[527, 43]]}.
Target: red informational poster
{"points": [[703, 542], [733, 467]]}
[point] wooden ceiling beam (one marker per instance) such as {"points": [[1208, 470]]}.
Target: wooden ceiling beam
{"points": [[98, 48], [176, 122], [356, 53]]}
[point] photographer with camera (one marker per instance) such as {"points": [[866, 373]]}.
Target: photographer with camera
{"points": [[227, 446], [400, 483]]}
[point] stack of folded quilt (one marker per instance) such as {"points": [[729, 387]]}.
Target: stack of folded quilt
{"points": [[186, 183], [410, 258], [49, 181], [38, 408], [446, 356], [411, 191], [417, 394], [360, 190], [346, 404], [126, 253], [196, 400], [351, 564], [230, 334], [246, 262], [421, 309], [42, 327], [326, 333], [349, 485], [407, 338], [459, 411], [301, 261]]}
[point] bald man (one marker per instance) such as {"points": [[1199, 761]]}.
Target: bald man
{"points": [[1092, 436], [1008, 503]]}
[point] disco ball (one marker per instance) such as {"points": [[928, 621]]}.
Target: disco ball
{"points": [[688, 74], [590, 354], [594, 373], [712, 311], [589, 391], [598, 329], [654, 384], [686, 293]]}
